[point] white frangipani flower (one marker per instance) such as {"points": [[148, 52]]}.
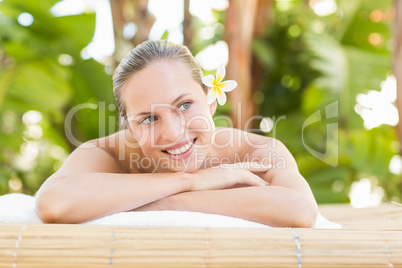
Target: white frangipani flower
{"points": [[217, 88]]}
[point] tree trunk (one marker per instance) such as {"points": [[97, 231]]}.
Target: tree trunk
{"points": [[398, 66], [238, 35], [244, 20], [187, 26], [117, 7], [143, 20], [126, 11], [261, 22]]}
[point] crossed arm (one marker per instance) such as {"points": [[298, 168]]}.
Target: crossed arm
{"points": [[287, 200], [78, 193], [271, 205]]}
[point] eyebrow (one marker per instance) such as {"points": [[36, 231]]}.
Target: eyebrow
{"points": [[174, 101]]}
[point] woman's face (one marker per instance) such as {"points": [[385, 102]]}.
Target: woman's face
{"points": [[169, 116]]}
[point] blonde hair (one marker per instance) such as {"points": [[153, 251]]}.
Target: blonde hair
{"points": [[143, 55]]}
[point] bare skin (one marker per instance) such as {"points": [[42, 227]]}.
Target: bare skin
{"points": [[225, 171]]}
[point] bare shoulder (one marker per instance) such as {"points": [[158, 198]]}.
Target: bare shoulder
{"points": [[270, 150], [103, 155], [254, 147], [243, 140]]}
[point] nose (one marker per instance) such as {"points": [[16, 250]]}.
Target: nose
{"points": [[172, 127]]}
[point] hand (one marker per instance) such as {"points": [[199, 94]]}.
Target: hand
{"points": [[227, 175]]}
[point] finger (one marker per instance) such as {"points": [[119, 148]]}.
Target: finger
{"points": [[257, 181], [253, 179]]}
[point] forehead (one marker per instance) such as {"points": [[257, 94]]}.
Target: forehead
{"points": [[159, 82]]}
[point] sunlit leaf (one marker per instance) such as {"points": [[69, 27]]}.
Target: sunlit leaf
{"points": [[78, 30]]}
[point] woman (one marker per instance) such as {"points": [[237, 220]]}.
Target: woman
{"points": [[170, 156]]}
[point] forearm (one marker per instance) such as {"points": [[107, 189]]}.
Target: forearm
{"points": [[87, 196], [271, 205]]}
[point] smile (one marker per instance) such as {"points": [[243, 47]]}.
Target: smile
{"points": [[182, 150]]}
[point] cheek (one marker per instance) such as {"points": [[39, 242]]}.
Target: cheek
{"points": [[147, 147], [142, 135], [200, 125], [200, 122]]}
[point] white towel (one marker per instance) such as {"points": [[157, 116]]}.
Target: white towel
{"points": [[20, 208]]}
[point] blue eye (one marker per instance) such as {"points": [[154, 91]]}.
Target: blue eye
{"points": [[184, 106], [149, 119]]}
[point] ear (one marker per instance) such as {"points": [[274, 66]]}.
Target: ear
{"points": [[212, 108]]}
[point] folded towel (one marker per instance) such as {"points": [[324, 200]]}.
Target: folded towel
{"points": [[20, 208]]}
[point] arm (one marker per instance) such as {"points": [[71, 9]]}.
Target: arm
{"points": [[287, 201], [271, 205], [285, 175], [86, 189], [91, 184]]}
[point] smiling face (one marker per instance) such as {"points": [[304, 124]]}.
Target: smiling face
{"points": [[169, 116]]}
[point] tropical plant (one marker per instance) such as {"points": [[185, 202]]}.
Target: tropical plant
{"points": [[312, 63], [43, 76], [53, 96]]}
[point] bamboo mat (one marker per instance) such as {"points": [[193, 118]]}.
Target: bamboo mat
{"points": [[382, 217], [63, 245]]}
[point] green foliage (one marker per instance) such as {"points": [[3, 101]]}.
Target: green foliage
{"points": [[310, 62], [51, 99], [216, 26], [42, 73]]}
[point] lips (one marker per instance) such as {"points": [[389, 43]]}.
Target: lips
{"points": [[182, 149]]}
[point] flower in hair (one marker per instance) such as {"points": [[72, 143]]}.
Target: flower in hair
{"points": [[217, 87]]}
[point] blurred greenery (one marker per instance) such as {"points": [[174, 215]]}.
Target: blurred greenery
{"points": [[42, 77], [308, 63]]}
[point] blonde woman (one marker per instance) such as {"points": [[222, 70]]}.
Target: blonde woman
{"points": [[170, 156]]}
